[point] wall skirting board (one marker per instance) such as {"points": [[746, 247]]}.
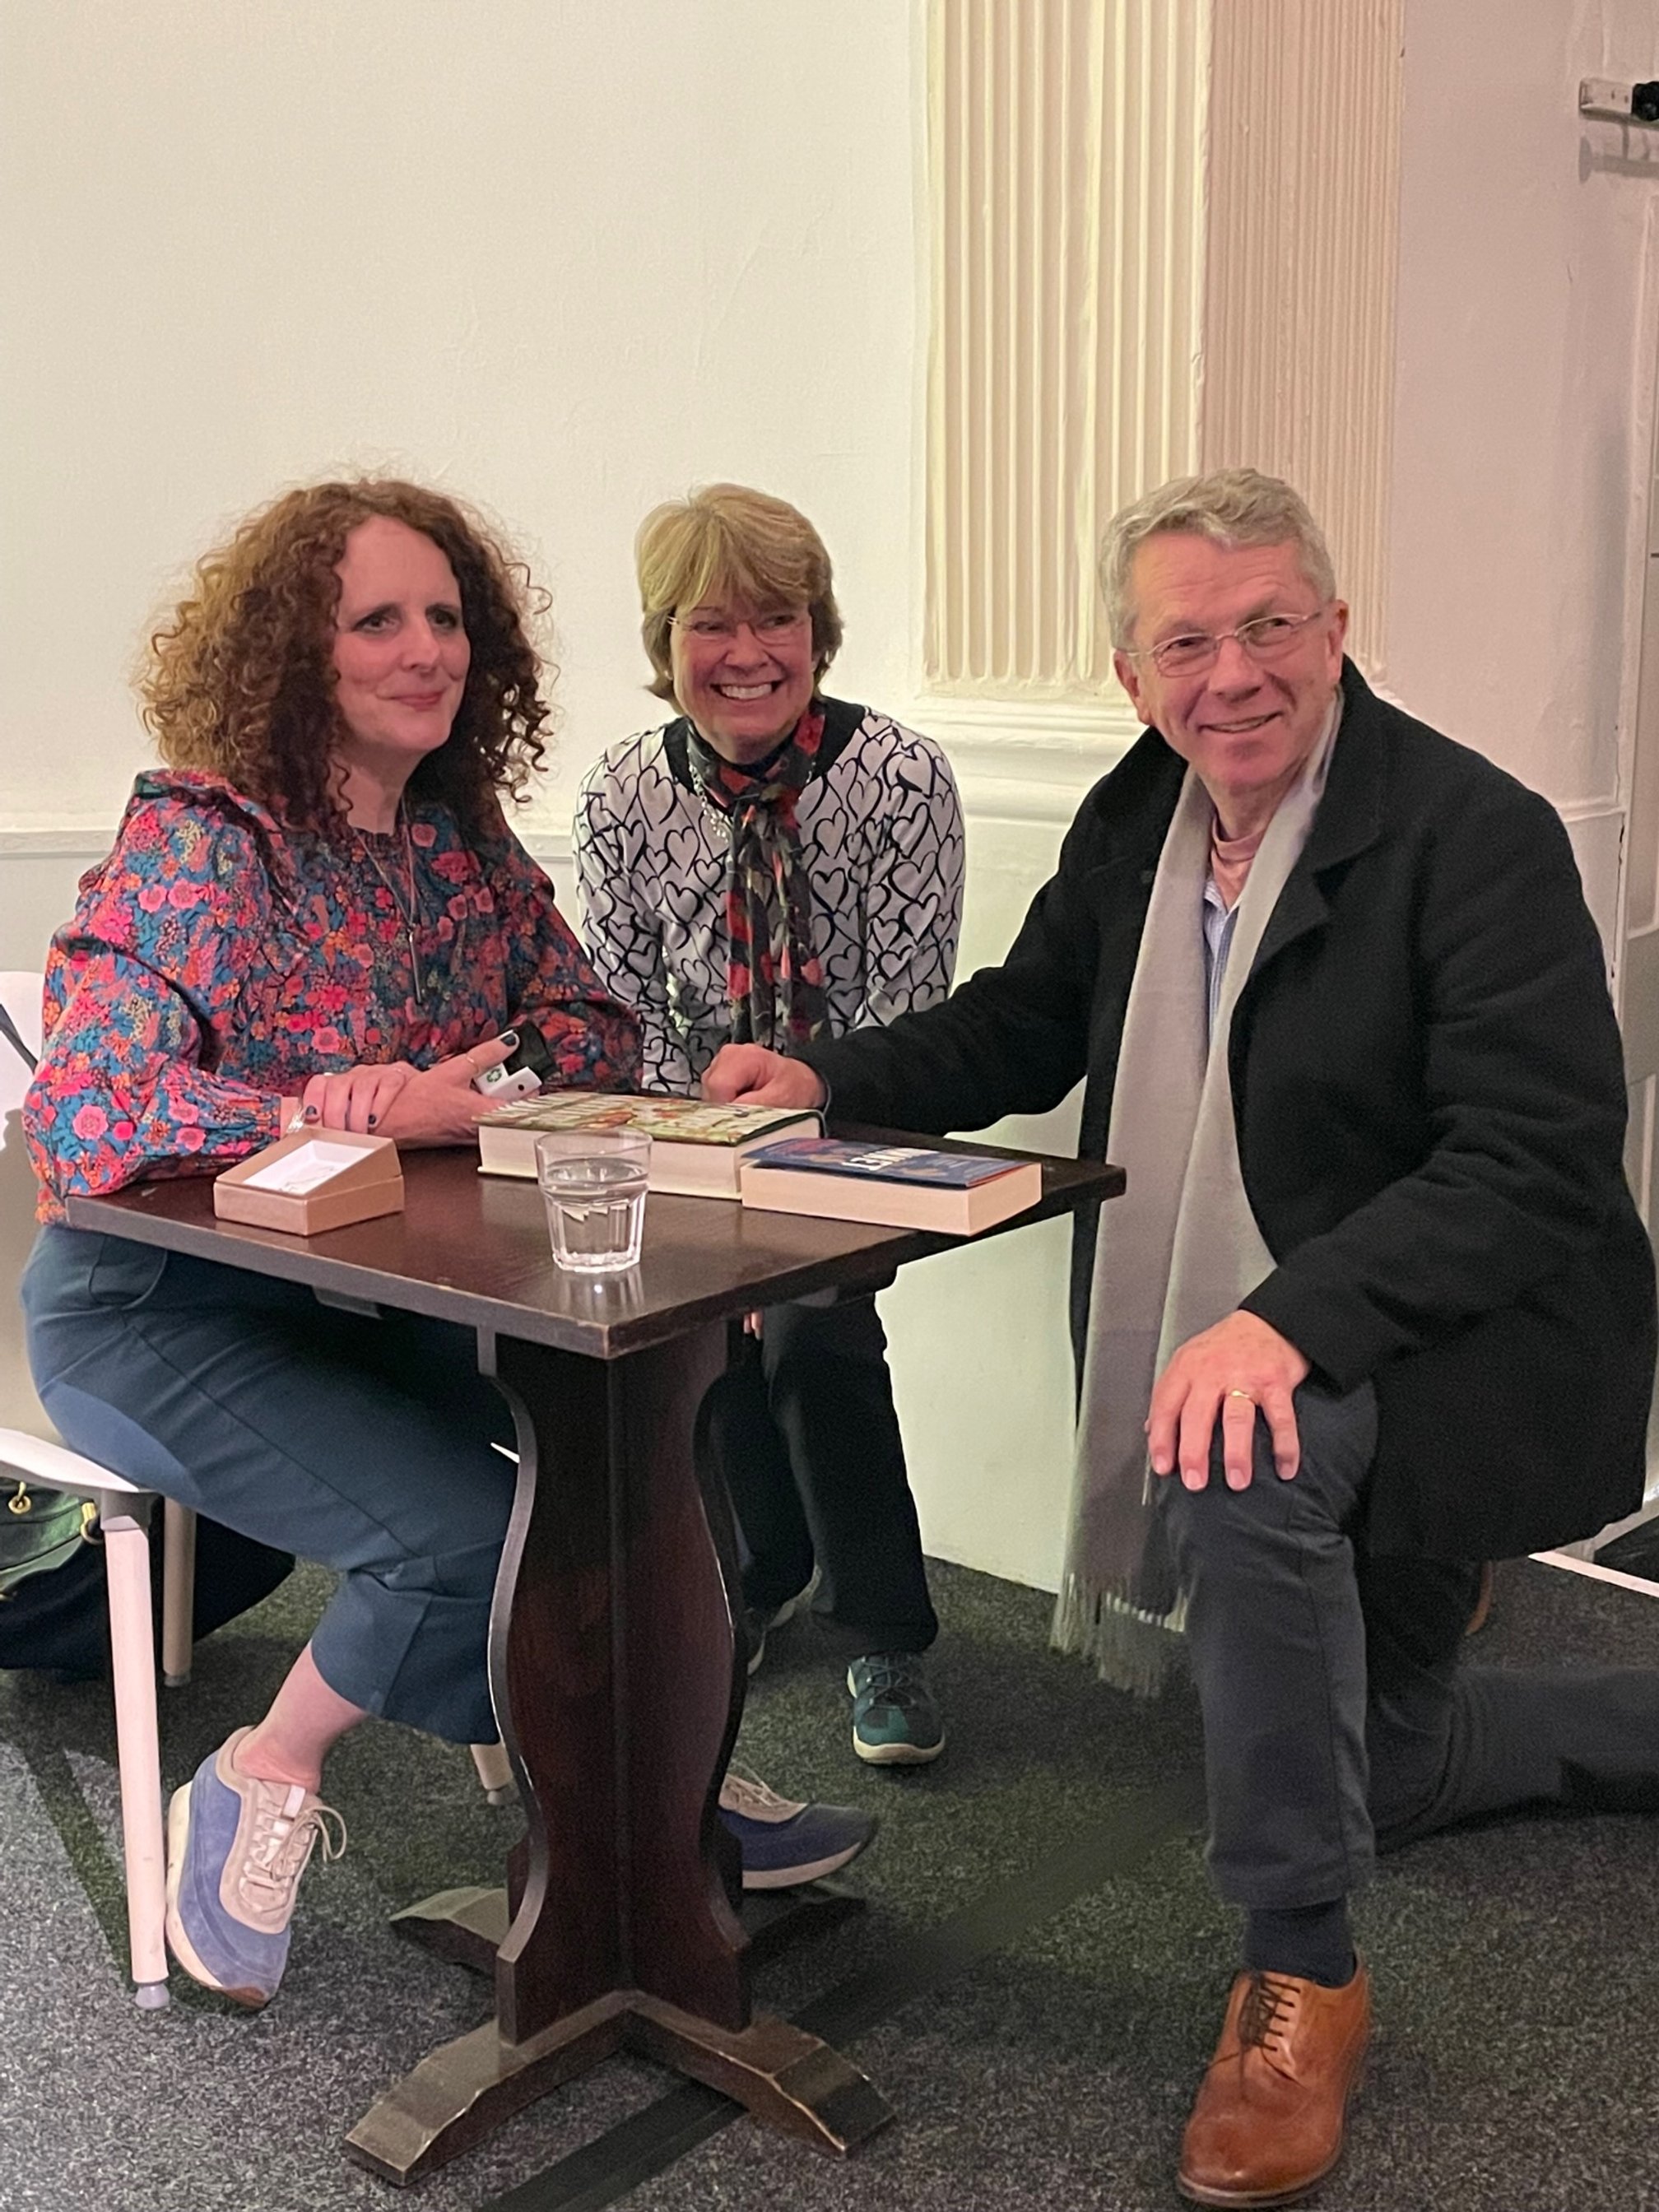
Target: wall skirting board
{"points": [[83, 841], [41, 869], [1026, 760]]}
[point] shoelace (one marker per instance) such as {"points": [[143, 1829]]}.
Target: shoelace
{"points": [[283, 1838], [889, 1682], [745, 1794], [1267, 2007]]}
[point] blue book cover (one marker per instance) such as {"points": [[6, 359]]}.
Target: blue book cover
{"points": [[882, 1162]]}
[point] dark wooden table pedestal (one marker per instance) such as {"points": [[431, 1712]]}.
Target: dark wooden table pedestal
{"points": [[614, 1640], [469, 1926]]}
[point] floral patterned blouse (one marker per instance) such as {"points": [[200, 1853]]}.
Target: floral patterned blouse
{"points": [[217, 959]]}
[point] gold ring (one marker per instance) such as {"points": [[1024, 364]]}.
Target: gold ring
{"points": [[1245, 1394]]}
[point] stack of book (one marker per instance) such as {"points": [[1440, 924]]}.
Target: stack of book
{"points": [[775, 1159], [697, 1149]]}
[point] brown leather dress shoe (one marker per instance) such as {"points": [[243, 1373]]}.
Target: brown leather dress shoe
{"points": [[1268, 2120]]}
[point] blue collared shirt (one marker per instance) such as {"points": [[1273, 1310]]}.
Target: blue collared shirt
{"points": [[1218, 920]]}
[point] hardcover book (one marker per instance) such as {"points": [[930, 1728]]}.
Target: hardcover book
{"points": [[696, 1149], [900, 1186]]}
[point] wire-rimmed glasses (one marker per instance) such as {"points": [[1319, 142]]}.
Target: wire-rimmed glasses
{"points": [[771, 628], [1264, 637]]}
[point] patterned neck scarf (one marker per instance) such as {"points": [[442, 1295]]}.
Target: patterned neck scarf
{"points": [[774, 978]]}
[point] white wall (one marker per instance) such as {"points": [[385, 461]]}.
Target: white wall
{"points": [[981, 1350], [1526, 349], [565, 259]]}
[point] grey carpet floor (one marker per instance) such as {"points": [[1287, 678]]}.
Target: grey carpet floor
{"points": [[1517, 1965]]}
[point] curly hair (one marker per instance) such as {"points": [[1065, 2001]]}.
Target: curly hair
{"points": [[241, 681]]}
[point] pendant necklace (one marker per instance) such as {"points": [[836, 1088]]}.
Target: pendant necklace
{"points": [[407, 915]]}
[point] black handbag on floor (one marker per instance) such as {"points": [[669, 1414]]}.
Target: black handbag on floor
{"points": [[58, 1618]]}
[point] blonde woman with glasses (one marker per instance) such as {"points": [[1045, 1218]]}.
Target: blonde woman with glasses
{"points": [[771, 866]]}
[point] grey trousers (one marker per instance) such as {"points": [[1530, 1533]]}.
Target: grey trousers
{"points": [[363, 1444], [1337, 1720]]}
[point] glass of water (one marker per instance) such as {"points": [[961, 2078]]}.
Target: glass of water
{"points": [[593, 1184]]}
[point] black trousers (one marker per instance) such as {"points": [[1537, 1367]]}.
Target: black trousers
{"points": [[803, 1427], [1337, 1718]]}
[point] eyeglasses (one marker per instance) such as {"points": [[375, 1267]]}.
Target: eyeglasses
{"points": [[1268, 637], [722, 630]]}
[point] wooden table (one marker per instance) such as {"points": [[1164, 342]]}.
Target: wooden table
{"points": [[615, 1661]]}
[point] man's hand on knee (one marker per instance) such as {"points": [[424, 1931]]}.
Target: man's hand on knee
{"points": [[1237, 1368]]}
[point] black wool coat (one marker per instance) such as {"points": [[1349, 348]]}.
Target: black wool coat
{"points": [[1430, 1098]]}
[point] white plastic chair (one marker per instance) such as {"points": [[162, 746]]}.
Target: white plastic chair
{"points": [[31, 1449]]}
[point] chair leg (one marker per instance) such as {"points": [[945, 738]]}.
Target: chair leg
{"points": [[177, 1592], [126, 1554], [494, 1772]]}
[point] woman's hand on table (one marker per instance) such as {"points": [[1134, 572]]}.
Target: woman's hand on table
{"points": [[355, 1098], [415, 1106]]}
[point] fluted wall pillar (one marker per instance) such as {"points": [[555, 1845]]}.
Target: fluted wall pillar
{"points": [[1300, 266], [1163, 238], [1066, 161]]}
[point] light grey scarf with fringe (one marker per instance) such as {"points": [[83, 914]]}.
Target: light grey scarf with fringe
{"points": [[1182, 1247]]}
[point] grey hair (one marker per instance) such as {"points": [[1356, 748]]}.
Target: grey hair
{"points": [[1229, 506]]}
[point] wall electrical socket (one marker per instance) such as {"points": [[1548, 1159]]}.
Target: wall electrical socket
{"points": [[1619, 103]]}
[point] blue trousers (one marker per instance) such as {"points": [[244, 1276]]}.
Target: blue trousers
{"points": [[1338, 1719], [363, 1444]]}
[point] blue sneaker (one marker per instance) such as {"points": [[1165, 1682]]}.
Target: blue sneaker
{"points": [[784, 1844], [895, 1717], [236, 1848]]}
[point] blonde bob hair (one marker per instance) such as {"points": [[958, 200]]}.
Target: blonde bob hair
{"points": [[725, 541], [1229, 506]]}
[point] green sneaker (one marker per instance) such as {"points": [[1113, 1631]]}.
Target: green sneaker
{"points": [[895, 1718]]}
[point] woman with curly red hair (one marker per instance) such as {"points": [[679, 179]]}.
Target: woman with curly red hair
{"points": [[314, 913]]}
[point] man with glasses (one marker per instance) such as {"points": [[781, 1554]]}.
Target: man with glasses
{"points": [[777, 866], [1376, 1304]]}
